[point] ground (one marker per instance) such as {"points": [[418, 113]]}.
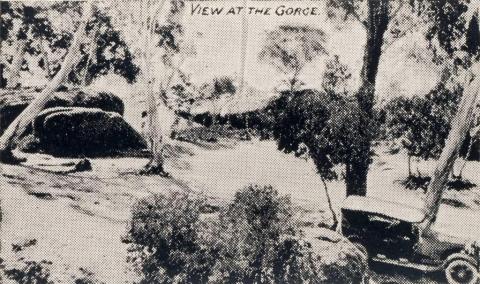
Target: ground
{"points": [[78, 220]]}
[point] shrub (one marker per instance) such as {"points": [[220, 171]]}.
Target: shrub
{"points": [[328, 128], [31, 273], [166, 239], [253, 232], [422, 124]]}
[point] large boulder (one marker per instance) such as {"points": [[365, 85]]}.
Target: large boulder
{"points": [[90, 132], [13, 102]]}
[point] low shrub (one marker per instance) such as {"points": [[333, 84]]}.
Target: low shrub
{"points": [[415, 182], [166, 241], [31, 272]]}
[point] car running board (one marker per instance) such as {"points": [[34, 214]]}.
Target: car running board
{"points": [[422, 267]]}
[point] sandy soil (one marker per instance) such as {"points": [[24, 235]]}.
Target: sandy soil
{"points": [[78, 220]]}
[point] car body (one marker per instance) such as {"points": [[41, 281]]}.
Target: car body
{"points": [[390, 232]]}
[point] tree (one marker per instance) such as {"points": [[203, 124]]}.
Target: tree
{"points": [[422, 124], [169, 40], [107, 52], [323, 126], [31, 31], [336, 77], [290, 48], [6, 24], [20, 124], [444, 21]]}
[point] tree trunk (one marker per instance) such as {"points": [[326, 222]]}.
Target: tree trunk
{"points": [[460, 126], [3, 80], [46, 61], [19, 125], [377, 25], [155, 135], [356, 178], [86, 80], [330, 206], [14, 78], [409, 165]]}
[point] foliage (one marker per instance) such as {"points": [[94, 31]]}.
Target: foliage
{"points": [[336, 76], [422, 124], [325, 127], [6, 22], [254, 239], [472, 42], [414, 182], [35, 27], [223, 85], [31, 273], [111, 53], [446, 26], [255, 232], [166, 239], [218, 87], [290, 48]]}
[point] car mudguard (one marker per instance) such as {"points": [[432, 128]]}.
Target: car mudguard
{"points": [[460, 255]]}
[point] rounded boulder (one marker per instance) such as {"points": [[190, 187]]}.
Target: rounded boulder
{"points": [[89, 132]]}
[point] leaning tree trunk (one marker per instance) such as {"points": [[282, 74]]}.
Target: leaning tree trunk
{"points": [[14, 78], [377, 25], [460, 126], [330, 206], [20, 124]]}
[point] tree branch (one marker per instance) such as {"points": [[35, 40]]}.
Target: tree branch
{"points": [[349, 8]]}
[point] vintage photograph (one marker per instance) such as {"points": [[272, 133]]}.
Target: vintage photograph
{"points": [[240, 141]]}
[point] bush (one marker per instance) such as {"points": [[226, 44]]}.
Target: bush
{"points": [[166, 239], [31, 272], [328, 128], [422, 124], [256, 232]]}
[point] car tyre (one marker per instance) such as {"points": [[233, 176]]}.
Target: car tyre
{"points": [[461, 271]]}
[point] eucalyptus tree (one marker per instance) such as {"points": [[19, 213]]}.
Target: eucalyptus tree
{"points": [[166, 35]]}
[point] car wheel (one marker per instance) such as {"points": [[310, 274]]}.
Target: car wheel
{"points": [[461, 271]]}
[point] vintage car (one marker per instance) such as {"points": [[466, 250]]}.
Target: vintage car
{"points": [[389, 232]]}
